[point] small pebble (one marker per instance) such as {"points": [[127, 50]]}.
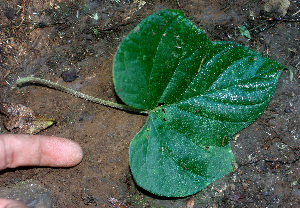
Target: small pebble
{"points": [[41, 24], [69, 75], [10, 13], [288, 109], [236, 197]]}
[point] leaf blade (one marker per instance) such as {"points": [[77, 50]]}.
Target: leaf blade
{"points": [[153, 78], [199, 94], [157, 158]]}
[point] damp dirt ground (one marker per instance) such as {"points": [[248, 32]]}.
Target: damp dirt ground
{"points": [[43, 38]]}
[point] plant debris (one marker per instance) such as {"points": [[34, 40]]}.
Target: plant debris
{"points": [[24, 120], [116, 202]]}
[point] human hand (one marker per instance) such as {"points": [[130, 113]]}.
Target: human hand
{"points": [[28, 150]]}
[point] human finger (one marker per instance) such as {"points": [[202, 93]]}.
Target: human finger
{"points": [[28, 150], [8, 203]]}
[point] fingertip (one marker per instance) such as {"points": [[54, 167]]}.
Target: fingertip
{"points": [[75, 153], [8, 203], [64, 152]]}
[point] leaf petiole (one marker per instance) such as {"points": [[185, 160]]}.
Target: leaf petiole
{"points": [[47, 83]]}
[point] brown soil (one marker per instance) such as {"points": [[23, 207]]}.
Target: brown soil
{"points": [[44, 38]]}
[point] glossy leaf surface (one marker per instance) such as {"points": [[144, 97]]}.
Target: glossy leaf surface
{"points": [[199, 94]]}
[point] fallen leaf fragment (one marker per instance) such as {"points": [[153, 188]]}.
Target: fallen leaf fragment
{"points": [[23, 119], [116, 202]]}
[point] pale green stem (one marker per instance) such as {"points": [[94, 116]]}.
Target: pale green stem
{"points": [[47, 83]]}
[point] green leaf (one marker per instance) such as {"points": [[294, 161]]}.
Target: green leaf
{"points": [[199, 94], [244, 32]]}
